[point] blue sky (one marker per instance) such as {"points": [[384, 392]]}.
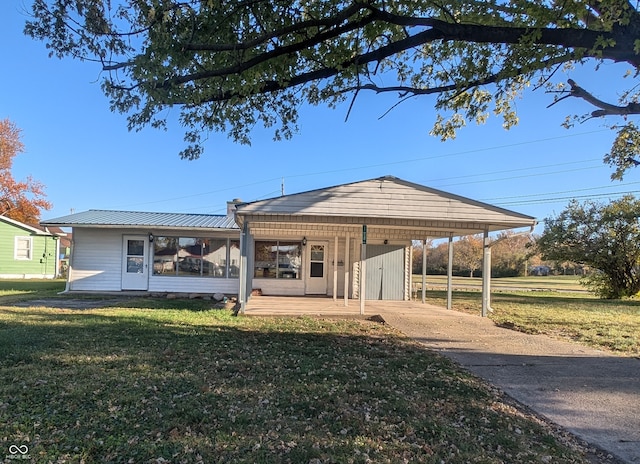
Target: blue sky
{"points": [[87, 159]]}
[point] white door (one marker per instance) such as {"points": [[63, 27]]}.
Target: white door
{"points": [[135, 267], [316, 273]]}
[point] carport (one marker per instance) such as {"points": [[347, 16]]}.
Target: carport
{"points": [[353, 241]]}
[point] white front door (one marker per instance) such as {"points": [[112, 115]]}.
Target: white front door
{"points": [[316, 273], [135, 267]]}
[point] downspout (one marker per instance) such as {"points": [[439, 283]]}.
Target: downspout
{"points": [[57, 260], [67, 287]]}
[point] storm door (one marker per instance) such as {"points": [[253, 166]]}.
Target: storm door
{"points": [[316, 272], [135, 268]]}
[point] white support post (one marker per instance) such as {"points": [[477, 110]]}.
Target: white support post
{"points": [[450, 274], [486, 275], [363, 273], [363, 268], [242, 291], [424, 271], [335, 269], [346, 270]]}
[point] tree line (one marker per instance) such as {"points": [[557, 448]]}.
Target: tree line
{"points": [[600, 241]]}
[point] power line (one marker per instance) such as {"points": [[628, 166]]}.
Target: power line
{"points": [[392, 163]]}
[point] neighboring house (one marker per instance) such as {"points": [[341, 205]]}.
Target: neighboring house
{"points": [[27, 252], [309, 243]]}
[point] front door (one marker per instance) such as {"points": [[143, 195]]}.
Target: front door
{"points": [[135, 267], [316, 268]]}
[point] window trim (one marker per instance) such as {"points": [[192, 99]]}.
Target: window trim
{"points": [[29, 240]]}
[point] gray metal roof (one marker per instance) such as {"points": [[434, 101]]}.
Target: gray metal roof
{"points": [[106, 218]]}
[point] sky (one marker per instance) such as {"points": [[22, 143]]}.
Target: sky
{"points": [[87, 159]]}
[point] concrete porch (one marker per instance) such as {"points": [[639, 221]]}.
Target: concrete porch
{"points": [[325, 306]]}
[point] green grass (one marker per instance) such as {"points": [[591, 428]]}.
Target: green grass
{"points": [[177, 385], [12, 290], [605, 324], [533, 283]]}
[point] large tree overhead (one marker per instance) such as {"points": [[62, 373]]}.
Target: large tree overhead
{"points": [[19, 200], [232, 64]]}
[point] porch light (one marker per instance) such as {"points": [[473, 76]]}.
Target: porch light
{"points": [[150, 238], [304, 241]]}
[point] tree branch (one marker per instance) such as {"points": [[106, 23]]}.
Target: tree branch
{"points": [[606, 109]]}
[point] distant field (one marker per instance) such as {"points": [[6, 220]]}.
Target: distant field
{"points": [[555, 283]]}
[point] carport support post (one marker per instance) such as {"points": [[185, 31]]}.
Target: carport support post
{"points": [[335, 269], [242, 291], [363, 268], [346, 270], [450, 274], [424, 271], [486, 275]]}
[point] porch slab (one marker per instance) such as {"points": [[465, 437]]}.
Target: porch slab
{"points": [[324, 306]]}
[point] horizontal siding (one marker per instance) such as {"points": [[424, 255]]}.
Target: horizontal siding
{"points": [[43, 254], [97, 260], [279, 287], [193, 285], [97, 266]]}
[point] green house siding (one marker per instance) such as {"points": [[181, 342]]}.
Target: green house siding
{"points": [[43, 253]]}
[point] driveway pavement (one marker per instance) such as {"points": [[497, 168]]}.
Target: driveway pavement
{"points": [[591, 393]]}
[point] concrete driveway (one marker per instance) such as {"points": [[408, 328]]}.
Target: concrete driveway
{"points": [[591, 393]]}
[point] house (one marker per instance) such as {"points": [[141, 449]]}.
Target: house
{"points": [[152, 252], [27, 252], [348, 241]]}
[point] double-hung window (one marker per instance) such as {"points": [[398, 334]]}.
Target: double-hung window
{"points": [[23, 249]]}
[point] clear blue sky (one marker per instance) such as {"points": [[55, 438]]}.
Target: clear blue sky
{"points": [[87, 159]]}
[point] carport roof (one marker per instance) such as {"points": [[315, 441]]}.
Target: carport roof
{"points": [[386, 201]]}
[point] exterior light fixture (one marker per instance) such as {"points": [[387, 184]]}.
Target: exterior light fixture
{"points": [[304, 241], [150, 238]]}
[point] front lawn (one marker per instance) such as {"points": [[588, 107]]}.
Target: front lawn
{"points": [[142, 385], [606, 324]]}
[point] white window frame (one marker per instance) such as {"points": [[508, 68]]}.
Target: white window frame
{"points": [[27, 239]]}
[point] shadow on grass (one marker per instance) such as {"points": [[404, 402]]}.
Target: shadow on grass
{"points": [[121, 386]]}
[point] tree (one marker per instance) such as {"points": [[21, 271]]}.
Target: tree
{"points": [[467, 253], [23, 200], [510, 253], [230, 65], [605, 237]]}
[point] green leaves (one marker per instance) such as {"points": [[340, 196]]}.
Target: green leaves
{"points": [[605, 237], [625, 150], [230, 65]]}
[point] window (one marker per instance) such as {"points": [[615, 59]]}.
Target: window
{"points": [[277, 259], [196, 257], [23, 248]]}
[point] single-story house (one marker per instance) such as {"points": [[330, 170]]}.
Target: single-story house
{"points": [[346, 241], [26, 251]]}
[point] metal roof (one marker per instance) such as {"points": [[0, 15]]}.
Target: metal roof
{"points": [[107, 218]]}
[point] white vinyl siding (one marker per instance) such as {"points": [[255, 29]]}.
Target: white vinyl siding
{"points": [[97, 266], [97, 260]]}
